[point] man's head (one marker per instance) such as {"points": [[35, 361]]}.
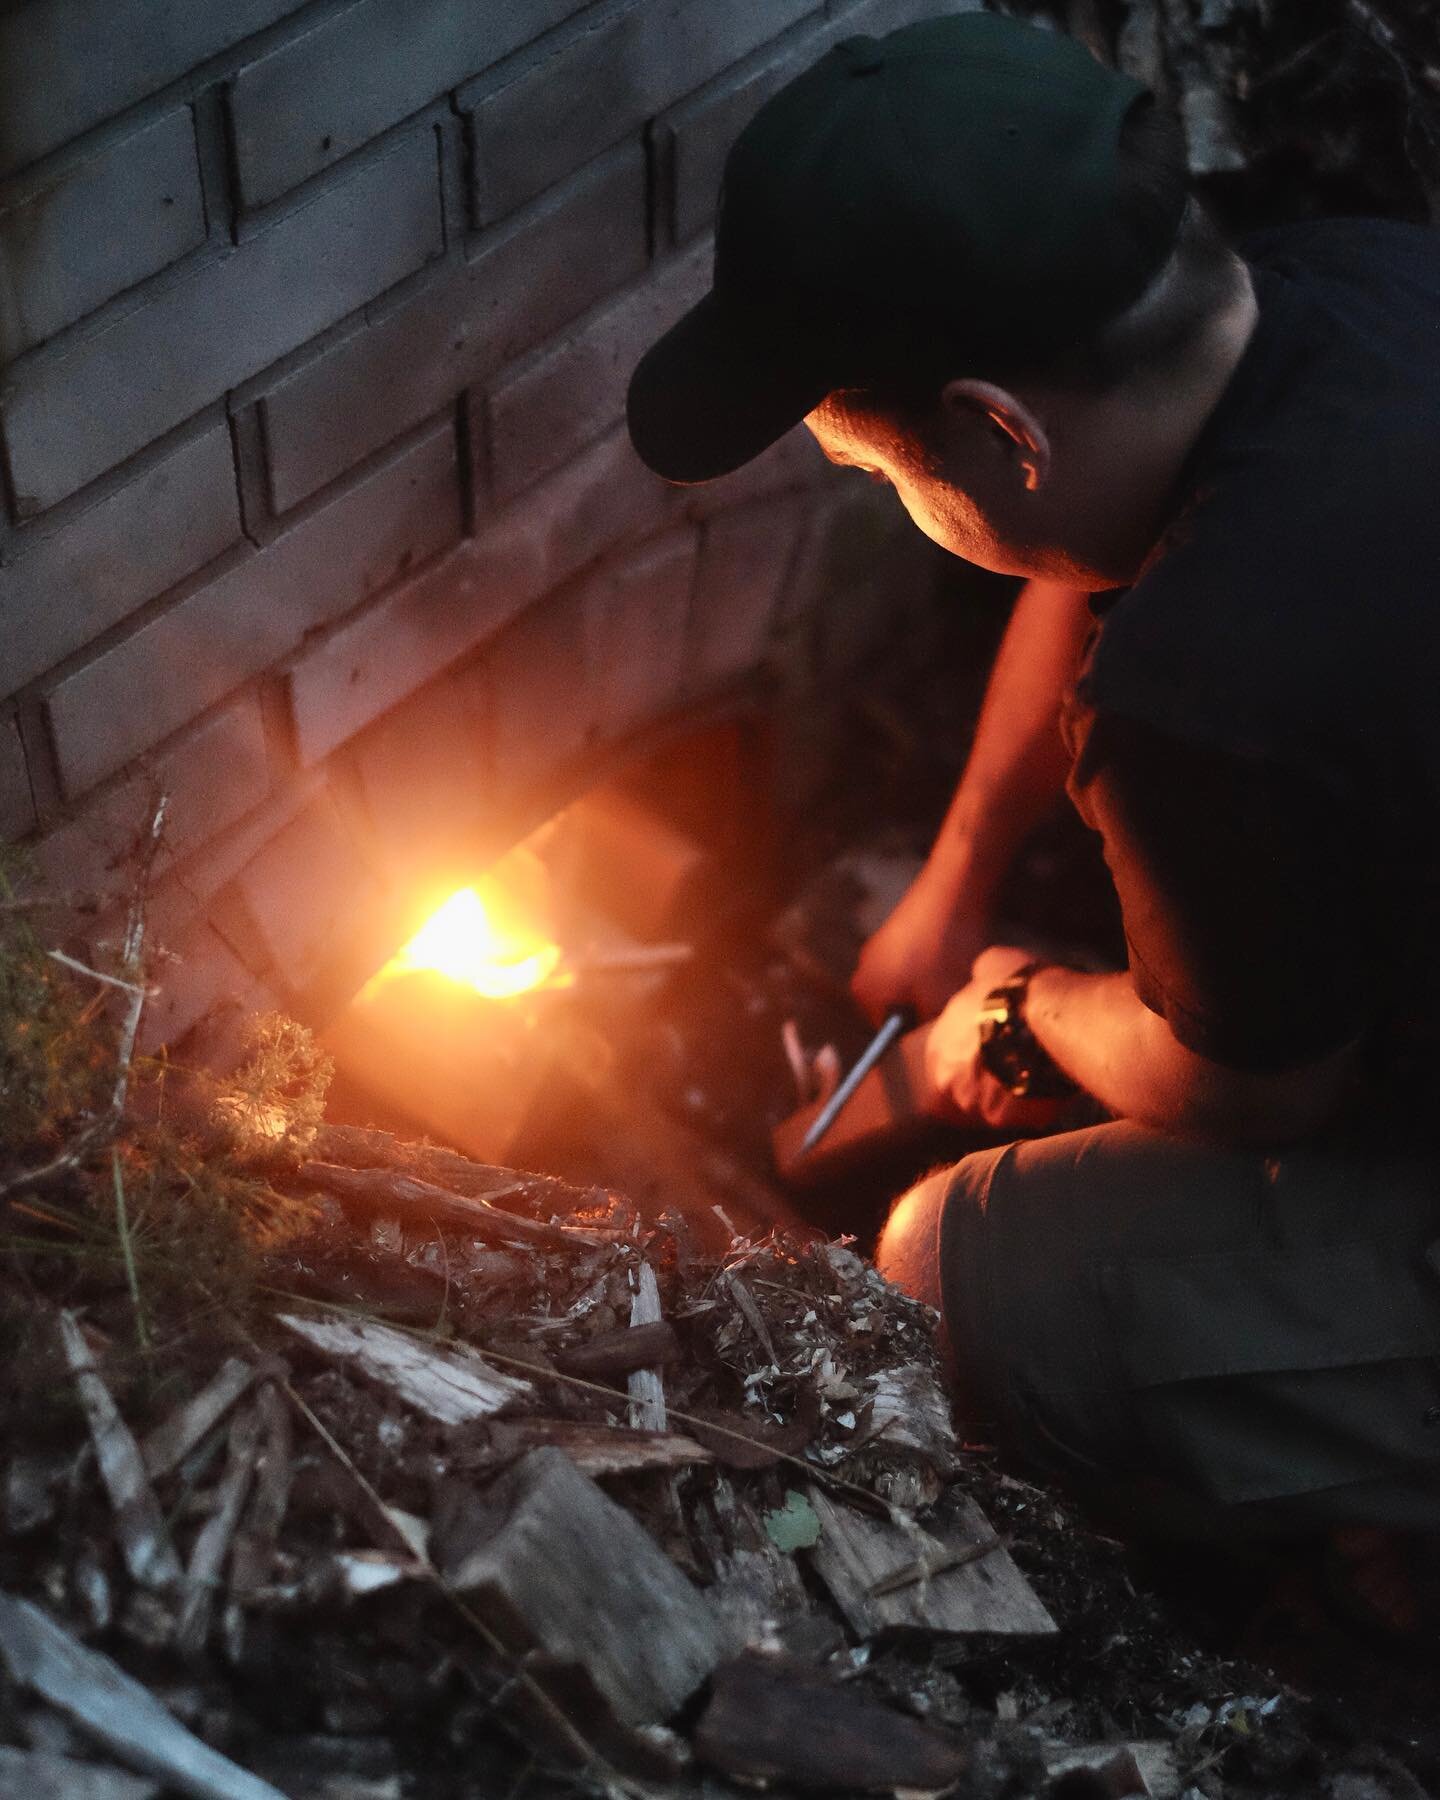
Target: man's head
{"points": [[954, 251]]}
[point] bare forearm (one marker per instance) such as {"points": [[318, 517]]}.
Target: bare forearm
{"points": [[1017, 764], [1106, 1039]]}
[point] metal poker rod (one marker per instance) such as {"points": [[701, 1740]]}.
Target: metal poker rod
{"points": [[896, 1023]]}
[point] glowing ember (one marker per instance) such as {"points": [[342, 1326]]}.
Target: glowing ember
{"points": [[470, 941]]}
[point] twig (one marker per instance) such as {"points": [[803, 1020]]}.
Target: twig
{"points": [[80, 968], [131, 953], [924, 1567], [95, 1133], [127, 1251]]}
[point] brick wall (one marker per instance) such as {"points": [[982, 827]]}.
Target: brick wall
{"points": [[315, 325]]}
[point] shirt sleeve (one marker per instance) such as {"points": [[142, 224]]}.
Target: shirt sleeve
{"points": [[1245, 892]]}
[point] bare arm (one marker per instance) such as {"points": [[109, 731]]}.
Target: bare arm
{"points": [[1107, 1040], [1016, 769], [1104, 1037]]}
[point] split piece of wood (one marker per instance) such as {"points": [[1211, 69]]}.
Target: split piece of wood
{"points": [[139, 1524], [254, 1552], [422, 1202], [561, 1571], [857, 1557], [453, 1386], [598, 1449], [41, 1775], [167, 1446], [1148, 1771], [207, 1558], [115, 1710], [774, 1719], [647, 1386], [621, 1352]]}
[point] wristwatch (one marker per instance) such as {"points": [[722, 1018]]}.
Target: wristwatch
{"points": [[1009, 1049]]}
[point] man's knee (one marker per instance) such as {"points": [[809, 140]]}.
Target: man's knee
{"points": [[908, 1253]]}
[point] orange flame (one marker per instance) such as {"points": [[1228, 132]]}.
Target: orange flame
{"points": [[466, 941]]}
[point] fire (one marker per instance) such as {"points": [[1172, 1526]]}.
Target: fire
{"points": [[475, 939]]}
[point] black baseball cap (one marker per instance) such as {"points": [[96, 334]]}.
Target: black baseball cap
{"points": [[955, 182]]}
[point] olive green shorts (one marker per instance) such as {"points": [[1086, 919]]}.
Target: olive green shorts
{"points": [[1257, 1337]]}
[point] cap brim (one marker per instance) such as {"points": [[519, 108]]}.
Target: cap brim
{"points": [[717, 389]]}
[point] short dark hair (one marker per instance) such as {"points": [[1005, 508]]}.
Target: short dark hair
{"points": [[1159, 325]]}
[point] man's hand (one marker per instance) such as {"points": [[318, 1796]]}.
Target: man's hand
{"points": [[922, 953], [952, 1057]]}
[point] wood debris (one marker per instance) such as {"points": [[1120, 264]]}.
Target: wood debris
{"points": [[646, 1637], [775, 1719], [859, 1557], [453, 1387], [139, 1523], [166, 1447], [114, 1710]]}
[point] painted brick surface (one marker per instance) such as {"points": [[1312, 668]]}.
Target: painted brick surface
{"points": [[385, 653], [567, 394], [636, 618], [49, 93], [604, 83], [72, 583], [744, 556], [98, 228], [236, 625], [213, 776], [304, 892], [424, 773], [200, 972], [17, 809], [523, 285], [540, 697], [69, 417], [324, 94]]}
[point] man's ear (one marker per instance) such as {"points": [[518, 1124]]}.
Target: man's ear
{"points": [[1028, 438]]}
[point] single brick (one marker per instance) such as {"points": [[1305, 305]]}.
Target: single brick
{"points": [[702, 127], [604, 497], [322, 95], [199, 973], [17, 808], [66, 65], [424, 772], [144, 687], [636, 617], [213, 776], [566, 394], [98, 227], [190, 887], [66, 586], [601, 85], [70, 416], [304, 893], [541, 700], [523, 285], [387, 652], [744, 556]]}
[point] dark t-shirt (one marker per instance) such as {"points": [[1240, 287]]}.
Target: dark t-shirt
{"points": [[1256, 728]]}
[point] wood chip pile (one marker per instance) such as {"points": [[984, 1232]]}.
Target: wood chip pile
{"points": [[496, 1488]]}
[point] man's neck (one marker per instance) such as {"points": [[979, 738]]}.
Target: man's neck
{"points": [[1142, 435]]}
